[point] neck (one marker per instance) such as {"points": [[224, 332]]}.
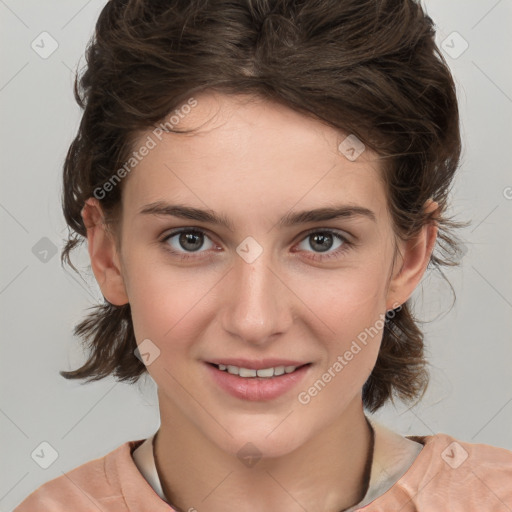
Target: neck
{"points": [[329, 472]]}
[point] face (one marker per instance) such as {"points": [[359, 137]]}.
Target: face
{"points": [[259, 287]]}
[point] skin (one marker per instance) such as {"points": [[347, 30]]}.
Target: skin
{"points": [[254, 161]]}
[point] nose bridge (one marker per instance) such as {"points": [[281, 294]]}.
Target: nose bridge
{"points": [[257, 307]]}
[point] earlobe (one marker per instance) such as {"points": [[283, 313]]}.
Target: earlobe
{"points": [[413, 261], [103, 254]]}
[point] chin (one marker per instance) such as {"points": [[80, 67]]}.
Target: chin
{"points": [[264, 442]]}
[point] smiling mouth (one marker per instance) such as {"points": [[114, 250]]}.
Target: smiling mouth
{"points": [[264, 373]]}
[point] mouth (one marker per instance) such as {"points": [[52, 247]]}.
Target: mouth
{"points": [[257, 384], [260, 373]]}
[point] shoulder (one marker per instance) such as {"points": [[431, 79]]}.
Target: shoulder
{"points": [[448, 454], [451, 474], [96, 484]]}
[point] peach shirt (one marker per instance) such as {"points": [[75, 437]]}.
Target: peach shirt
{"points": [[433, 473]]}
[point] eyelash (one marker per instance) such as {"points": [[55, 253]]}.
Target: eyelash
{"points": [[317, 256]]}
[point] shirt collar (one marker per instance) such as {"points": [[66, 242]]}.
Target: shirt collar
{"points": [[393, 456]]}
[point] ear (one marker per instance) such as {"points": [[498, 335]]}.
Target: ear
{"points": [[412, 261], [103, 253]]}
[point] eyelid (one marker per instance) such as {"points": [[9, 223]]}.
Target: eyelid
{"points": [[175, 231], [344, 234], [186, 229]]}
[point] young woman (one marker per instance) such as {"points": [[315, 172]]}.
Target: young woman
{"points": [[262, 186]]}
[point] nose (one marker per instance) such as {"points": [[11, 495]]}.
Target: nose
{"points": [[258, 305]]}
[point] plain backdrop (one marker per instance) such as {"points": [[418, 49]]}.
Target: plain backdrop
{"points": [[469, 346]]}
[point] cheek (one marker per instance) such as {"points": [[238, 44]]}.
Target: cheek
{"points": [[348, 299], [350, 311], [165, 303], [354, 345], [160, 295], [351, 344], [169, 310]]}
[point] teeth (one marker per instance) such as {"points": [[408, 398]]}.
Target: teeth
{"points": [[266, 372]]}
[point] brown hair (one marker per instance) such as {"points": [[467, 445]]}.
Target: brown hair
{"points": [[371, 69]]}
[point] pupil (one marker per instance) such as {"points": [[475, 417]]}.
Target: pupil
{"points": [[194, 238], [322, 238]]}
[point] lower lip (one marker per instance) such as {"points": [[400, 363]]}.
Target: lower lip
{"points": [[257, 388]]}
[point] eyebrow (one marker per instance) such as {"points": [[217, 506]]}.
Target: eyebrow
{"points": [[290, 219]]}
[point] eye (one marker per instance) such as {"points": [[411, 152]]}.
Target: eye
{"points": [[186, 241], [323, 241]]}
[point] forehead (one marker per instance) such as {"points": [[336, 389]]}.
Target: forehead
{"points": [[247, 152]]}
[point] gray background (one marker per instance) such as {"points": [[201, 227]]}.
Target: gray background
{"points": [[470, 347]]}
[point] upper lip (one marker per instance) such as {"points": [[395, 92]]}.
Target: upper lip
{"points": [[259, 364]]}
